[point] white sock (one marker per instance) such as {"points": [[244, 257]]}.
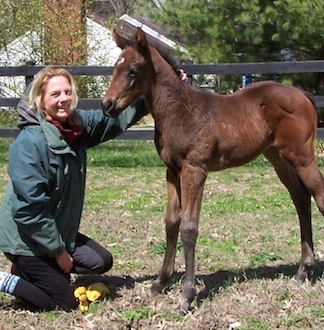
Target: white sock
{"points": [[8, 282]]}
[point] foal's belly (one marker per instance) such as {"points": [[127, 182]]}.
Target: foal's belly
{"points": [[226, 146], [211, 160]]}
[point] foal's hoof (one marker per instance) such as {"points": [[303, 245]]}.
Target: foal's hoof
{"points": [[183, 308], [300, 277], [304, 273], [156, 288]]}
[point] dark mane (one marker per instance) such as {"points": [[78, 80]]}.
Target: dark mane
{"points": [[168, 55]]}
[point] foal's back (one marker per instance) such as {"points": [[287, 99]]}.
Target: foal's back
{"points": [[220, 131]]}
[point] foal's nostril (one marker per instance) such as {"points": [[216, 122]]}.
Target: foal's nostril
{"points": [[107, 106]]}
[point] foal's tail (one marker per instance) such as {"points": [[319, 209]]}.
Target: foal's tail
{"points": [[310, 96]]}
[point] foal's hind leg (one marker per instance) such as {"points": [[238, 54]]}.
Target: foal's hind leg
{"points": [[172, 223], [297, 149], [302, 201]]}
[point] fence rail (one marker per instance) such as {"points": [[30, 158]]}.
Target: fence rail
{"points": [[28, 71]]}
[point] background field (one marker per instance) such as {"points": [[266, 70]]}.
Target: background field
{"points": [[247, 251]]}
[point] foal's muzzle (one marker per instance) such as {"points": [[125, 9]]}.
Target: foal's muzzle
{"points": [[109, 108]]}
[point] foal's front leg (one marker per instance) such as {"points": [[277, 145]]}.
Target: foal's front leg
{"points": [[192, 186], [172, 222]]}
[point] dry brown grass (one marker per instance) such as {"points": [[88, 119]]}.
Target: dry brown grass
{"points": [[246, 212]]}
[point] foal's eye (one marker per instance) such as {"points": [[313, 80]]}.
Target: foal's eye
{"points": [[133, 72]]}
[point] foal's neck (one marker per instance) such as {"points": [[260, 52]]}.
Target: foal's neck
{"points": [[167, 93]]}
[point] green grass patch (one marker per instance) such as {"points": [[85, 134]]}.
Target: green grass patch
{"points": [[135, 315], [8, 119], [262, 258], [128, 154], [160, 247], [255, 323]]}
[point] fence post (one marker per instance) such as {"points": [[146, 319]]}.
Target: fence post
{"points": [[29, 79]]}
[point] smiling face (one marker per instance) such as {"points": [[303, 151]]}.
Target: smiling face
{"points": [[57, 98]]}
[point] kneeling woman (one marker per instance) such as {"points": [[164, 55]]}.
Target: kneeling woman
{"points": [[41, 210]]}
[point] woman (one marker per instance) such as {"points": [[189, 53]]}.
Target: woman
{"points": [[41, 210]]}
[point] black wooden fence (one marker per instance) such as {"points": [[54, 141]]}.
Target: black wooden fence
{"points": [[29, 70]]}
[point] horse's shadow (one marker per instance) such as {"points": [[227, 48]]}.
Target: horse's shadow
{"points": [[213, 281], [225, 278]]}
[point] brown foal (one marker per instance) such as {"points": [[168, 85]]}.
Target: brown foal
{"points": [[198, 132]]}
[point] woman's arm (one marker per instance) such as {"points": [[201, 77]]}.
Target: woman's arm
{"points": [[102, 128]]}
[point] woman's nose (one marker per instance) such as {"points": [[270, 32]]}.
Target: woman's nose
{"points": [[63, 97]]}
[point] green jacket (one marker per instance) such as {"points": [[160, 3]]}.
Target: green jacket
{"points": [[42, 206]]}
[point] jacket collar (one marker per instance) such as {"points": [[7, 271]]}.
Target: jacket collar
{"points": [[55, 140]]}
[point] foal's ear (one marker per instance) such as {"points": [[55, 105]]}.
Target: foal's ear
{"points": [[121, 42], [141, 42]]}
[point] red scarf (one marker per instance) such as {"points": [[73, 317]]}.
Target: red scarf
{"points": [[69, 134]]}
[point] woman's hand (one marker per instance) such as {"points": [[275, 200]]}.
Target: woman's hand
{"points": [[65, 262], [183, 75]]}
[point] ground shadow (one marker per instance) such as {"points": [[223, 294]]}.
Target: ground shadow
{"points": [[225, 278], [212, 282]]}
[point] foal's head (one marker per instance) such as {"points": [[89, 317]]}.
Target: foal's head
{"points": [[132, 77]]}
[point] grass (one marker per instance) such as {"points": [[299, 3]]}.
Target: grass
{"points": [[247, 250], [8, 119], [135, 314]]}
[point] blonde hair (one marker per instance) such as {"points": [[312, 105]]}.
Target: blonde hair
{"points": [[36, 92]]}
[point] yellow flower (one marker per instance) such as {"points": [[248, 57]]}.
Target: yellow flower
{"points": [[96, 291]]}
